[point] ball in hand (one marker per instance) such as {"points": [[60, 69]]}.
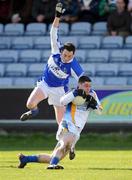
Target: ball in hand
{"points": [[78, 100]]}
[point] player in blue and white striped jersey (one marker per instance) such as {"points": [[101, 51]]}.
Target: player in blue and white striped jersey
{"points": [[54, 82]]}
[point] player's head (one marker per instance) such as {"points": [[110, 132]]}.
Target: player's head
{"points": [[67, 52], [84, 83]]}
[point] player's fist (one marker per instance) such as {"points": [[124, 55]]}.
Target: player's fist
{"points": [[59, 10], [79, 92], [92, 103]]}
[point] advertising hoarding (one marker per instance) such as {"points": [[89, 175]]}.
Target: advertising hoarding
{"points": [[117, 106]]}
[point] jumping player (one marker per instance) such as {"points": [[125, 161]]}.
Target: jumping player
{"points": [[70, 127], [54, 82]]}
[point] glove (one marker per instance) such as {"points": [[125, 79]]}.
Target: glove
{"points": [[59, 10], [79, 92], [92, 103]]}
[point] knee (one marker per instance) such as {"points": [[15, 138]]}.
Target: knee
{"points": [[62, 150], [30, 105]]}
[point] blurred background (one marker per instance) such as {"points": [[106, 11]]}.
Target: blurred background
{"points": [[102, 33]]}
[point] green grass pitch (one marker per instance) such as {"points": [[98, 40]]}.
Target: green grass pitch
{"points": [[98, 157]]}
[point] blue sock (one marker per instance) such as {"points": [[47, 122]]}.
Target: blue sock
{"points": [[54, 160], [27, 159], [34, 112]]}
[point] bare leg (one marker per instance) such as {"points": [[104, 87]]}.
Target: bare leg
{"points": [[59, 112], [64, 146], [72, 150], [35, 97], [61, 150], [44, 158]]}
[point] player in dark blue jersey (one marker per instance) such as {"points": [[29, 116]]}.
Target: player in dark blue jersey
{"points": [[54, 82]]}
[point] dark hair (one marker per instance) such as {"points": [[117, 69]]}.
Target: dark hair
{"points": [[83, 79], [69, 47]]}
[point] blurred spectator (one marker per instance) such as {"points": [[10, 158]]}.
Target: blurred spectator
{"points": [[15, 18], [129, 6], [89, 10], [5, 11], [105, 8], [21, 11], [72, 10], [43, 10], [119, 21]]}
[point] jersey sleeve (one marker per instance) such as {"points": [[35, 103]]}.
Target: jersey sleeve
{"points": [[67, 98], [96, 97], [99, 106], [55, 44], [76, 70]]}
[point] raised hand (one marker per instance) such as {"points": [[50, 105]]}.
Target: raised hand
{"points": [[59, 10]]}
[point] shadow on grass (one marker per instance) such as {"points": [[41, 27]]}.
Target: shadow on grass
{"points": [[9, 166], [109, 169], [88, 168], [104, 169]]}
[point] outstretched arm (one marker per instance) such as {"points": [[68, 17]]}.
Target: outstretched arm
{"points": [[55, 44], [69, 96], [56, 22]]}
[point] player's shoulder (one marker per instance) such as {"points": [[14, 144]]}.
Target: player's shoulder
{"points": [[74, 59], [74, 62]]}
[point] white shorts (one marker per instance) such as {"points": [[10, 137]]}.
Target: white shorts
{"points": [[65, 127], [52, 93]]}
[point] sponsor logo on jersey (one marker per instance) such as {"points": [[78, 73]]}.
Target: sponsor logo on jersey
{"points": [[56, 69]]}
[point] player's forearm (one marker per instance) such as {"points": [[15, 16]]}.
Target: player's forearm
{"points": [[67, 98], [56, 22], [55, 44]]}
